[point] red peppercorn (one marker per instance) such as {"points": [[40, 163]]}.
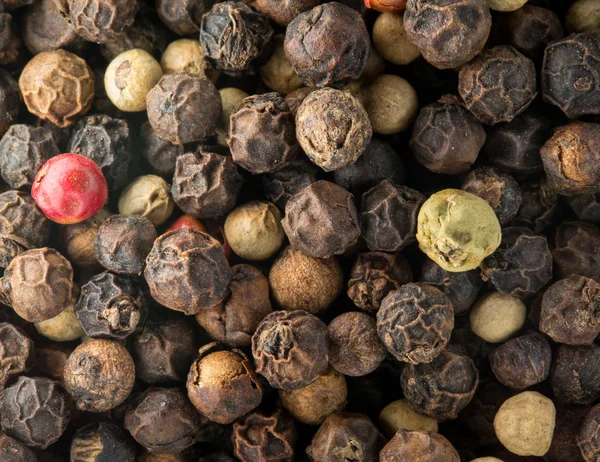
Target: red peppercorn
{"points": [[390, 6], [186, 221], [69, 188]]}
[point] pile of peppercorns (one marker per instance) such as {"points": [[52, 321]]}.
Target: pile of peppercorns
{"points": [[300, 230]]}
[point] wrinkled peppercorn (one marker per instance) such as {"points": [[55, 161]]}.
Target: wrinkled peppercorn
{"points": [[539, 207], [388, 216], [261, 436], [337, 35], [9, 101], [222, 385], [35, 411], [102, 440], [187, 271], [522, 362], [576, 249], [159, 153], [235, 38], [569, 75], [12, 450], [101, 20], [184, 108], [123, 242], [283, 12], [148, 196], [78, 239], [446, 138], [205, 184], [262, 134], [279, 186], [18, 354], [448, 34], [575, 374], [233, 321], [408, 446], [99, 375], [290, 349], [415, 322], [443, 387], [586, 207], [333, 128], [587, 439], [522, 265], [329, 207], [182, 16]]}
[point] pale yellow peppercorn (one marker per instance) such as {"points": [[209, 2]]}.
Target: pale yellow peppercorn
{"points": [[231, 99], [399, 415], [149, 196], [496, 317], [506, 5], [187, 55], [584, 16], [277, 73], [390, 40]]}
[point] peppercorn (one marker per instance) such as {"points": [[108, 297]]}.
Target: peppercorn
{"points": [[568, 75], [10, 99], [445, 230], [569, 310], [564, 441], [408, 446], [78, 239], [236, 39], [222, 385], [399, 415], [102, 440], [587, 439], [582, 17], [159, 153], [184, 108], [11, 46], [100, 21], [65, 326], [182, 16], [576, 247], [50, 361], [446, 138], [163, 350], [522, 362], [506, 5], [148, 196], [525, 423], [278, 73], [187, 271], [12, 450], [332, 209], [18, 354], [205, 184], [575, 373], [496, 317], [185, 55], [57, 86], [449, 34], [164, 421], [34, 411], [390, 40], [123, 242], [295, 98], [540, 207], [290, 349], [333, 128], [233, 321], [279, 186], [374, 275], [130, 77], [586, 207]]}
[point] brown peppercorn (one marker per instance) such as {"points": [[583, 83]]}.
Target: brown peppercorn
{"points": [[123, 242], [38, 284], [313, 403], [283, 12], [280, 185], [78, 239], [346, 436], [522, 362], [164, 421], [449, 34], [540, 207], [443, 387], [415, 322], [332, 128], [576, 249], [102, 441], [17, 353], [262, 437], [588, 438], [417, 445], [498, 85], [301, 282], [35, 411], [569, 75], [22, 225], [99, 375], [235, 38], [569, 158], [184, 108], [586, 207], [522, 265], [205, 184], [222, 385], [388, 216], [446, 138], [295, 98], [12, 450], [187, 271], [575, 376], [321, 220], [10, 100], [159, 153], [182, 16], [564, 441], [148, 196], [102, 20], [374, 275], [334, 33], [569, 311], [262, 135], [354, 346], [57, 86], [290, 349], [233, 321]]}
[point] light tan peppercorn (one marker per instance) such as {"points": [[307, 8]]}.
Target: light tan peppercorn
{"points": [[390, 40], [506, 5], [149, 196], [231, 98], [496, 317], [584, 16], [277, 73], [399, 415], [186, 55], [78, 239], [63, 327]]}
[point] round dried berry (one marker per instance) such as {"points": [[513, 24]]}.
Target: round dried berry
{"points": [[328, 45], [575, 376], [290, 349], [415, 322], [576, 249], [588, 438], [540, 207], [10, 100], [182, 16], [280, 185], [13, 450], [102, 441], [102, 20], [282, 12], [586, 207], [18, 352], [159, 153]]}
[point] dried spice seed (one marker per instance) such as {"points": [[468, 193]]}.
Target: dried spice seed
{"points": [[279, 186], [10, 100], [587, 439], [182, 16], [406, 446], [283, 12], [575, 372], [12, 450], [101, 20], [148, 196], [540, 207], [18, 354], [278, 73], [399, 415], [389, 36], [575, 249], [101, 440], [159, 153], [586, 207], [78, 239], [496, 317]]}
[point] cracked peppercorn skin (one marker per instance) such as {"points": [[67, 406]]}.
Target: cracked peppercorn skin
{"points": [[588, 439], [102, 441], [407, 446], [576, 249], [14, 450], [575, 375], [182, 16], [102, 20], [18, 354]]}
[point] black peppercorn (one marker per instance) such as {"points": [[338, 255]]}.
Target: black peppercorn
{"points": [[182, 16], [18, 354], [159, 153], [9, 101], [46, 26], [575, 376], [12, 450], [586, 207], [102, 441], [280, 185], [588, 438], [576, 249], [34, 411], [101, 20], [540, 207], [564, 441]]}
